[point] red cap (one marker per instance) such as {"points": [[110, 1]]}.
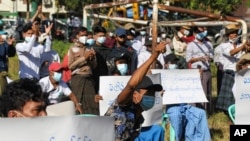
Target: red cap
{"points": [[55, 66]]}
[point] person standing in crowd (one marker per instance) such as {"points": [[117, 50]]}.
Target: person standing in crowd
{"points": [[143, 36], [180, 41], [133, 42], [101, 55], [82, 61], [23, 98], [145, 54], [7, 49], [136, 97], [56, 88], [19, 25], [231, 52], [121, 40], [29, 52], [200, 53], [110, 40]]}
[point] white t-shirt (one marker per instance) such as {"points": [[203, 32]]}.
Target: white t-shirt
{"points": [[54, 93]]}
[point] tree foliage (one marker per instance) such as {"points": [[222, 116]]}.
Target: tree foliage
{"points": [[224, 7]]}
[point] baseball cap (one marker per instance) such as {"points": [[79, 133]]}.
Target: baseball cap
{"points": [[120, 31], [147, 83], [55, 66]]}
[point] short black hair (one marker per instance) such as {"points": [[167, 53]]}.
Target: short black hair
{"points": [[18, 93], [81, 29], [27, 27], [99, 29]]}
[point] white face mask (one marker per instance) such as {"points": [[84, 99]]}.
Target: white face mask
{"points": [[123, 68], [163, 36], [172, 66], [27, 38], [101, 40], [111, 34], [83, 39], [186, 32]]}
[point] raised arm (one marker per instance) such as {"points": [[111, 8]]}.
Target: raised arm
{"points": [[126, 94]]}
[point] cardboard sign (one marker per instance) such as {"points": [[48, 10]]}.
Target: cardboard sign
{"points": [[111, 86], [181, 86], [67, 128], [242, 97]]}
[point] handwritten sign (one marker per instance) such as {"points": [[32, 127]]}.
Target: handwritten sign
{"points": [[242, 97], [111, 86], [64, 128], [181, 86]]}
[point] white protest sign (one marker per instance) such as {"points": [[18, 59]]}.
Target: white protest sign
{"points": [[111, 86], [181, 86], [66, 128], [242, 97]]}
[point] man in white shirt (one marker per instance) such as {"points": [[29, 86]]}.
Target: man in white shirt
{"points": [[56, 88], [231, 52], [29, 52]]}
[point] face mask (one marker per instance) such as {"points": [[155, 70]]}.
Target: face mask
{"points": [[172, 66], [129, 43], [28, 39], [90, 42], [186, 32], [200, 36], [111, 34], [163, 36], [4, 37], [143, 33], [83, 39], [101, 40], [158, 39], [123, 68], [147, 102], [57, 76], [20, 114], [204, 33]]}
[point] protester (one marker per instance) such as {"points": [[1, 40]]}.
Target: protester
{"points": [[101, 55], [199, 55], [82, 61], [188, 122], [132, 41], [56, 88], [231, 52], [23, 98], [145, 54], [136, 97], [7, 49], [110, 40], [29, 52]]}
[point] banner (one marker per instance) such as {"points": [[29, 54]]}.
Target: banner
{"points": [[181, 86], [66, 128], [111, 86], [242, 97]]}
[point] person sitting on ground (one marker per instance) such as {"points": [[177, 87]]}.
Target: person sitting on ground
{"points": [[56, 88], [136, 97], [23, 98]]}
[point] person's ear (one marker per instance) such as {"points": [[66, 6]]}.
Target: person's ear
{"points": [[12, 114]]}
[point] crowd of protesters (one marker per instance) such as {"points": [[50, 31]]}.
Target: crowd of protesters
{"points": [[44, 80]]}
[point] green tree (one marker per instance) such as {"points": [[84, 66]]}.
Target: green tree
{"points": [[224, 7]]}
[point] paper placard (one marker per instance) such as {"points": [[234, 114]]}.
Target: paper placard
{"points": [[242, 97], [111, 86], [66, 128], [181, 86]]}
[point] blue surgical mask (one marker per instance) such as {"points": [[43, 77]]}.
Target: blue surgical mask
{"points": [[57, 76], [28, 39], [147, 102], [123, 68], [91, 42], [200, 36], [172, 66], [143, 33], [101, 40]]}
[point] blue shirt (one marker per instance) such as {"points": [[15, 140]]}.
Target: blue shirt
{"points": [[5, 52]]}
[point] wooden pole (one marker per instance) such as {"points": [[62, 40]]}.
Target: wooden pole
{"points": [[154, 27]]}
